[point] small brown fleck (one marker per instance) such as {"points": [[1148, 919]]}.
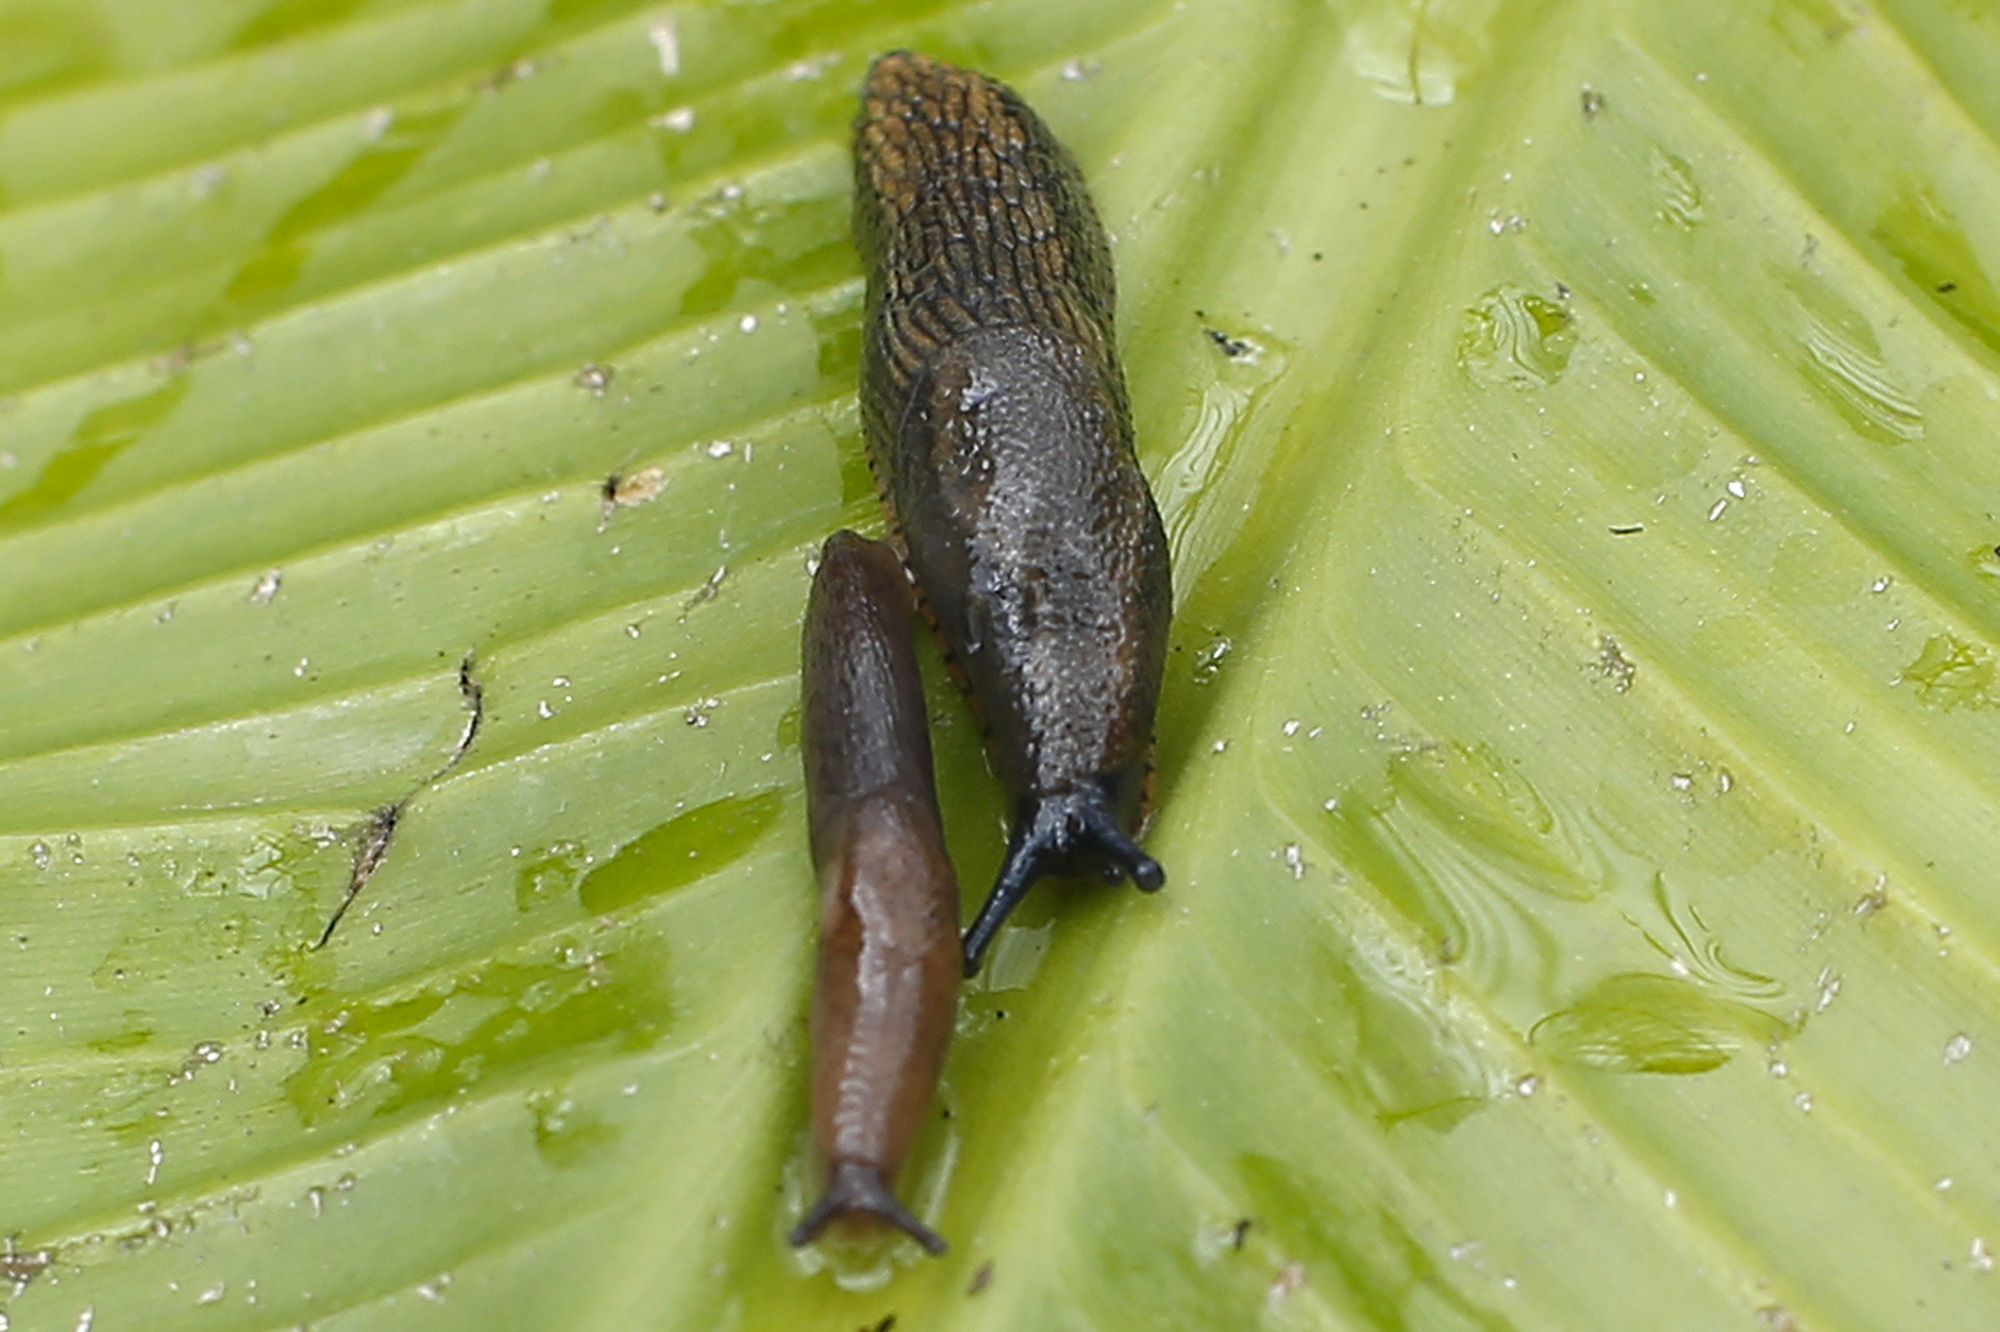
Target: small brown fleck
{"points": [[1230, 347], [21, 1266], [981, 1279], [629, 490]]}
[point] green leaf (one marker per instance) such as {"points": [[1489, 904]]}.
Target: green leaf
{"points": [[1575, 427]]}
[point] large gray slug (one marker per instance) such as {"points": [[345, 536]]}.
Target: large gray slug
{"points": [[887, 990], [1000, 435]]}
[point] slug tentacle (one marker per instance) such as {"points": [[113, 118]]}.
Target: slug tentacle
{"points": [[856, 1188]]}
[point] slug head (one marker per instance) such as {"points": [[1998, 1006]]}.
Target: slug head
{"points": [[1063, 833], [858, 1191]]}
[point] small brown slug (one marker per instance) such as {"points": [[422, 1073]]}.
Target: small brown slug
{"points": [[1000, 434], [887, 990]]}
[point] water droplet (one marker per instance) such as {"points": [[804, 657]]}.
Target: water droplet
{"points": [[1208, 662], [595, 378], [1614, 665], [1416, 57], [680, 120], [1939, 259], [667, 45], [1957, 1048], [1638, 1023], [1844, 362], [1952, 673], [1874, 899], [1679, 195], [1514, 337], [550, 872], [690, 846], [1290, 1278], [265, 587], [720, 448]]}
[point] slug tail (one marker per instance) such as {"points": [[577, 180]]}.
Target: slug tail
{"points": [[1077, 826], [856, 1188]]}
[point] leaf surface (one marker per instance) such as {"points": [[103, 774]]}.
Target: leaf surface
{"points": [[1574, 425]]}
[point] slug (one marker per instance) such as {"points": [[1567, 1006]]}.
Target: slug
{"points": [[887, 989], [1000, 435]]}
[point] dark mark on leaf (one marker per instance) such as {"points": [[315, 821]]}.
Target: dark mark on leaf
{"points": [[1231, 347], [1238, 1233], [475, 700], [624, 490], [21, 1266], [380, 830], [375, 837], [980, 1279]]}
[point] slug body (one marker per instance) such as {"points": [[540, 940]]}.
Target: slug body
{"points": [[999, 431], [887, 989]]}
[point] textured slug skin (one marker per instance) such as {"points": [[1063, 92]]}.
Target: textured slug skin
{"points": [[1000, 434], [887, 989]]}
